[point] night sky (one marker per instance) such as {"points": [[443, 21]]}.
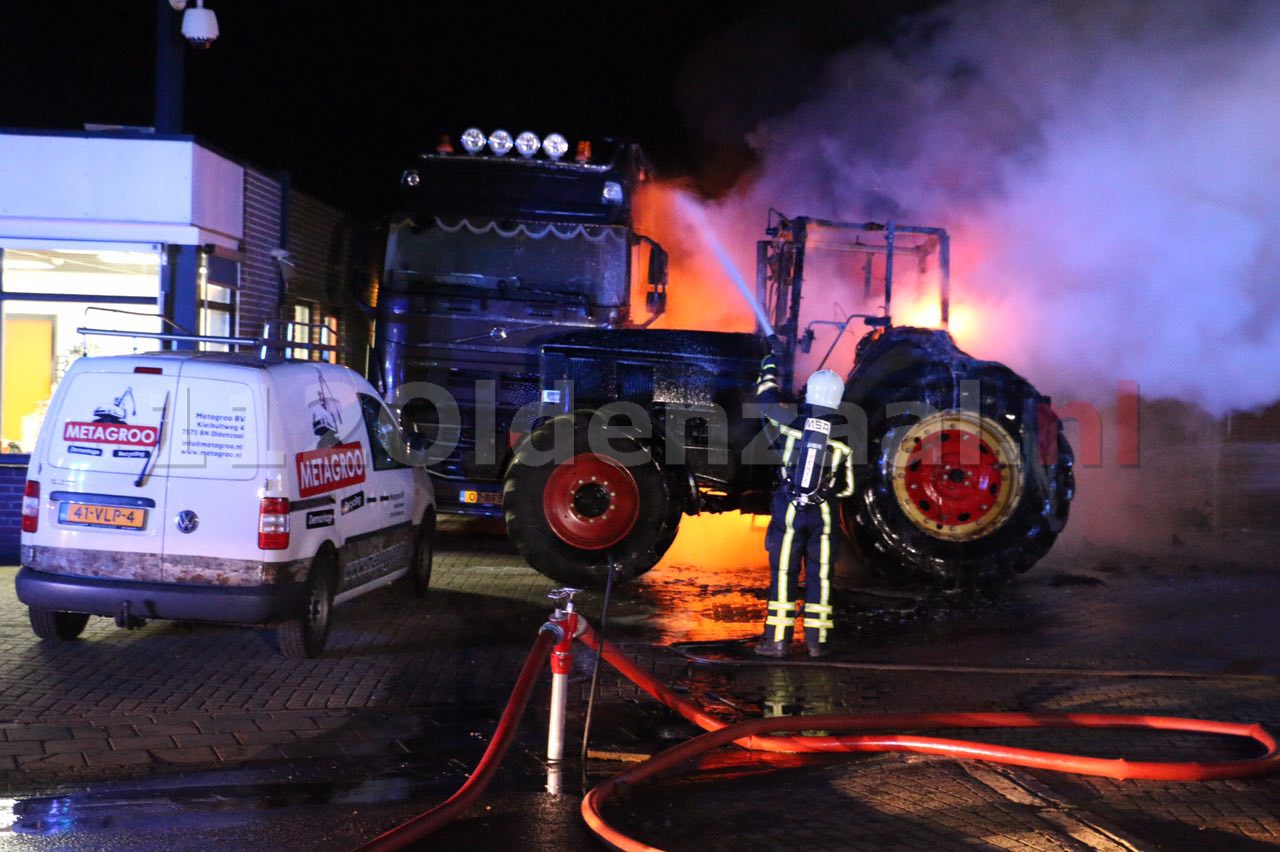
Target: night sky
{"points": [[343, 95]]}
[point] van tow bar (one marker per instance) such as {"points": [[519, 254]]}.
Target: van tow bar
{"points": [[127, 620]]}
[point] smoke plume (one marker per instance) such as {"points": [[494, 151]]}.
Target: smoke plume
{"points": [[1107, 171]]}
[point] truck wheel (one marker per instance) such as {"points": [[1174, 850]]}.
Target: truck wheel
{"points": [[962, 497], [423, 552], [304, 637], [569, 519], [51, 624]]}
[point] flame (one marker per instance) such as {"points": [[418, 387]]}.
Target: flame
{"points": [[699, 293], [738, 542]]}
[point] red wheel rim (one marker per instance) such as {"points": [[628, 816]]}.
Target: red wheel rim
{"points": [[952, 489], [955, 475], [591, 502]]}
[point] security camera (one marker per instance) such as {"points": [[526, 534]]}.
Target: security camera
{"points": [[199, 25], [288, 269]]}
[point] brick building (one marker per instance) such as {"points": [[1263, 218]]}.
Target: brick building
{"points": [[138, 232]]}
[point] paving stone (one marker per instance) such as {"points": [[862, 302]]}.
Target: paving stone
{"points": [[22, 747], [135, 757], [200, 754], [227, 724], [37, 732], [149, 743], [189, 740], [272, 737], [244, 753], [277, 722], [65, 760]]}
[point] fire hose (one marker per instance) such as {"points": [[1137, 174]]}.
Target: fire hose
{"points": [[432, 820], [755, 734]]}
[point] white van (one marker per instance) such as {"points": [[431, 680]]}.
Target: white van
{"points": [[204, 486]]}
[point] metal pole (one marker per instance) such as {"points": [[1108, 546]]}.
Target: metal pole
{"points": [[944, 263], [888, 270], [169, 68]]}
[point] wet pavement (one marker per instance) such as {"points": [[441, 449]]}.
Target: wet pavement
{"points": [[188, 736]]}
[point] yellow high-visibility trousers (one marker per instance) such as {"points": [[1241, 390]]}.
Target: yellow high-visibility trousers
{"points": [[800, 536]]}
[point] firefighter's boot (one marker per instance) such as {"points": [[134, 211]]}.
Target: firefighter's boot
{"points": [[768, 648]]}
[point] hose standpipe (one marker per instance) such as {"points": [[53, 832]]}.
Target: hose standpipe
{"points": [[566, 620]]}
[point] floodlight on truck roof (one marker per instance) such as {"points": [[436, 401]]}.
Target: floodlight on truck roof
{"points": [[500, 142], [555, 146], [528, 144], [473, 140]]}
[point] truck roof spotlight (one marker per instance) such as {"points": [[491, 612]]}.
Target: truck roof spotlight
{"points": [[500, 142], [473, 140], [528, 143], [555, 146]]}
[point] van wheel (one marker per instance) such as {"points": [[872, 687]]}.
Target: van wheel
{"points": [[51, 624], [423, 552], [304, 638]]}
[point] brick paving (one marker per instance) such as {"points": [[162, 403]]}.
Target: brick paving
{"points": [[411, 688]]}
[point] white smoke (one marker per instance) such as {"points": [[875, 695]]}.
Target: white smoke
{"points": [[1110, 174]]}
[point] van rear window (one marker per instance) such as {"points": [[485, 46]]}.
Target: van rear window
{"points": [[215, 430], [109, 422]]}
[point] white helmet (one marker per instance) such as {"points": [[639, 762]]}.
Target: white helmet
{"points": [[825, 388]]}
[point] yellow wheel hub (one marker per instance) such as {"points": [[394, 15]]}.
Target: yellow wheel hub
{"points": [[957, 475]]}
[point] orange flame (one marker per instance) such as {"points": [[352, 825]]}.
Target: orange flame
{"points": [[739, 542], [700, 295]]}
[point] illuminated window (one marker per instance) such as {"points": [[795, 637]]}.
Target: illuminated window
{"points": [[313, 325], [46, 294], [216, 290], [300, 331]]}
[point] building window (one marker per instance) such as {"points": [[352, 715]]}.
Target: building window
{"points": [[310, 324], [216, 290], [47, 292]]}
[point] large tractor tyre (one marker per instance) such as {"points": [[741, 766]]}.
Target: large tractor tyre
{"points": [[966, 492], [51, 624], [569, 519]]}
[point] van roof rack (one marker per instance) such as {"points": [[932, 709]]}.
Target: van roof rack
{"points": [[280, 340]]}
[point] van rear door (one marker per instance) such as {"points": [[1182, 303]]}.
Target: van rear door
{"points": [[216, 472], [107, 440]]}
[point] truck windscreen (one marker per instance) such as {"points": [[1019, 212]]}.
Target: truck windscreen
{"points": [[514, 259]]}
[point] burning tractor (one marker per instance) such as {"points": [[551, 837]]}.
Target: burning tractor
{"points": [[505, 331]]}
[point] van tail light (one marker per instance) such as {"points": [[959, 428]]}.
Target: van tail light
{"points": [[31, 506], [273, 523]]}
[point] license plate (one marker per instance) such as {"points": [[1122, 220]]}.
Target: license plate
{"points": [[486, 497], [90, 515]]}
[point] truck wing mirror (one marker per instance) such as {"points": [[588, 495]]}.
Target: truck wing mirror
{"points": [[657, 266]]}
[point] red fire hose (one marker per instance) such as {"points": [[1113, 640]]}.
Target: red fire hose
{"points": [[749, 735], [439, 816], [752, 735]]}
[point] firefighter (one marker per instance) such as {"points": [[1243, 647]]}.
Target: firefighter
{"points": [[816, 470]]}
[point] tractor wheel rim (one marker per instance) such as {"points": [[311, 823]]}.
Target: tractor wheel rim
{"points": [[957, 475], [591, 502]]}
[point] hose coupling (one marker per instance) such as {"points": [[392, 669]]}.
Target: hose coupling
{"points": [[555, 628]]}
